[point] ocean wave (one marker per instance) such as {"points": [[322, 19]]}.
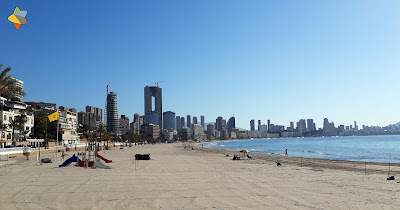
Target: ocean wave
{"points": [[309, 151]]}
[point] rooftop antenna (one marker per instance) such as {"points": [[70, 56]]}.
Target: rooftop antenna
{"points": [[159, 83]]}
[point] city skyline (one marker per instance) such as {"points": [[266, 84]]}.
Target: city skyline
{"points": [[286, 61]]}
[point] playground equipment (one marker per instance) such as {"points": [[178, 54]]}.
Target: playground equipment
{"points": [[104, 159], [90, 158], [70, 160]]}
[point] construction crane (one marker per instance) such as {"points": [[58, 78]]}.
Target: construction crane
{"points": [[107, 86]]}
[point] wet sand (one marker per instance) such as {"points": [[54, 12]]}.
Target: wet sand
{"points": [[178, 178]]}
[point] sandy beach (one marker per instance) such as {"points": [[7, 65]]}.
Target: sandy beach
{"points": [[178, 178]]}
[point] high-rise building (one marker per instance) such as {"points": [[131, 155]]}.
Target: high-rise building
{"points": [[231, 124], [355, 126], [202, 121], [188, 121], [19, 86], [183, 122], [169, 120], [91, 118], [112, 113], [252, 128], [269, 123], [194, 120], [123, 125], [329, 128], [149, 94], [311, 125], [197, 132], [178, 123], [136, 124], [98, 113], [259, 124], [152, 118], [218, 124], [211, 129], [301, 127]]}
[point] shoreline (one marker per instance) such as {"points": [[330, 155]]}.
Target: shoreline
{"points": [[365, 167], [282, 155]]}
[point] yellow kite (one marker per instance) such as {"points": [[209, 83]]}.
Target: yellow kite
{"points": [[53, 116]]}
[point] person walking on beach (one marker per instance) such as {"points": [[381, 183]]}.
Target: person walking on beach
{"points": [[63, 155], [285, 152]]}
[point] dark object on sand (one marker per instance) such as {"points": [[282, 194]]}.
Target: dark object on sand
{"points": [[227, 155], [235, 157], [278, 164], [192, 149], [46, 160], [121, 148], [248, 156], [390, 178], [142, 156]]}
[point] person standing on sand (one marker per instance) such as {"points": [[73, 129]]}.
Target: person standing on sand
{"points": [[286, 152]]}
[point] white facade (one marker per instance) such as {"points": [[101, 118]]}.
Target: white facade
{"points": [[68, 126], [11, 114], [197, 132]]}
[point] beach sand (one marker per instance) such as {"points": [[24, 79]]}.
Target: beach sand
{"points": [[178, 178]]}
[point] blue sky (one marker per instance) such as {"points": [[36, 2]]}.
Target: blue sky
{"points": [[278, 60]]}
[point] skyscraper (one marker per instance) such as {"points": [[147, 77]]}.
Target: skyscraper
{"points": [[269, 123], [194, 120], [301, 127], [98, 113], [329, 128], [149, 93], [355, 126], [252, 128], [231, 124], [112, 113], [178, 123], [202, 121], [218, 124], [169, 120], [211, 129], [259, 124], [311, 125], [188, 121], [137, 124], [183, 122]]}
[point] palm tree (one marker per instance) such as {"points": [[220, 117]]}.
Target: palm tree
{"points": [[13, 124], [2, 127], [8, 87], [100, 129], [21, 119]]}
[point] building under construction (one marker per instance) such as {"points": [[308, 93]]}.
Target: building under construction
{"points": [[112, 113]]}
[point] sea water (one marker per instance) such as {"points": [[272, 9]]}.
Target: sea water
{"points": [[355, 148]]}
